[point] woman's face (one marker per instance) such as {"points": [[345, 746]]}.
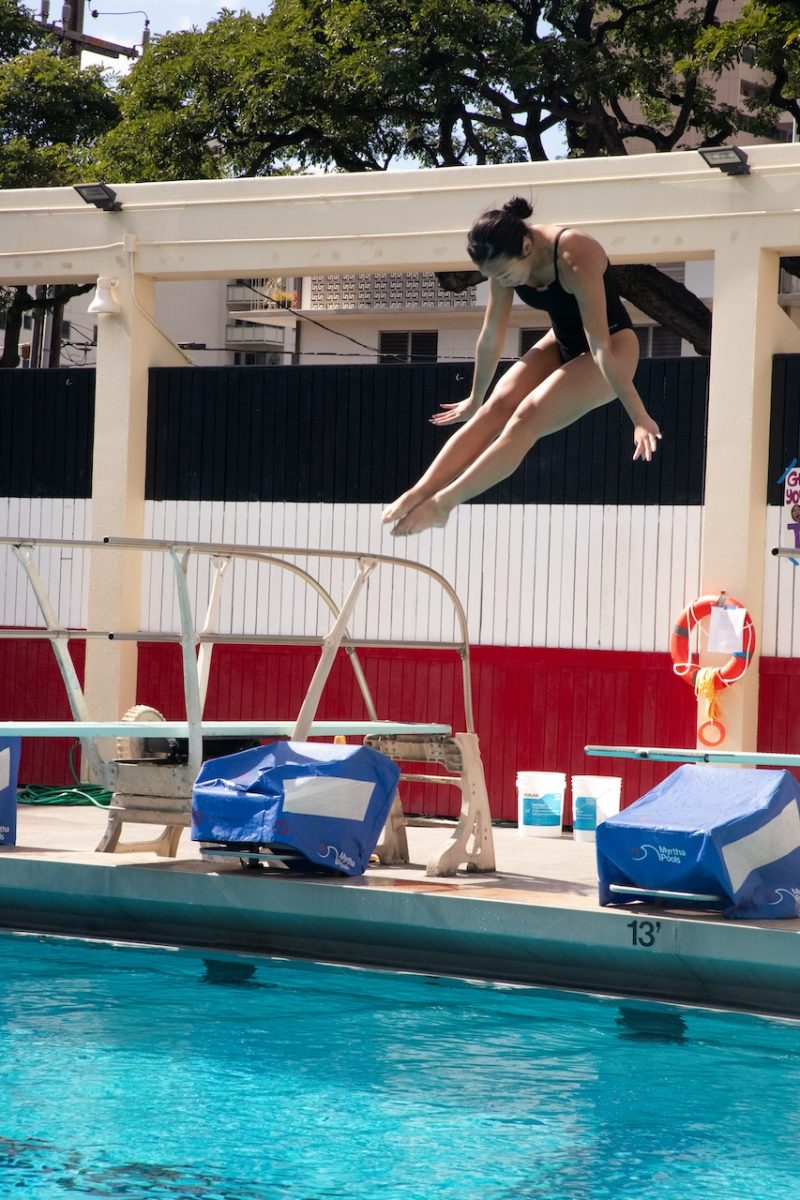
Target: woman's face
{"points": [[510, 272]]}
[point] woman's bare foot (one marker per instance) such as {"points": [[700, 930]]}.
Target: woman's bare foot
{"points": [[430, 514], [400, 507]]}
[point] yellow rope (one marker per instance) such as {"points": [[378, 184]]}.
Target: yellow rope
{"points": [[704, 689]]}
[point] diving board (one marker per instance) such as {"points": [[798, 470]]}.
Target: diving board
{"points": [[155, 786], [234, 729], [744, 758]]}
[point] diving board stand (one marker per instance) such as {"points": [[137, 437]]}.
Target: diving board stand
{"points": [[155, 786]]}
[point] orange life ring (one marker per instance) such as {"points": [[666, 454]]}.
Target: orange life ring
{"points": [[682, 662]]}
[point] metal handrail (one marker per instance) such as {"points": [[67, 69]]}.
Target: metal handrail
{"points": [[274, 556]]}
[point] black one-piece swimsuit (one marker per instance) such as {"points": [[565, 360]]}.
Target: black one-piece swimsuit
{"points": [[565, 313]]}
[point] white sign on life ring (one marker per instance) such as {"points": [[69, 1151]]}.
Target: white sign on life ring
{"points": [[726, 630]]}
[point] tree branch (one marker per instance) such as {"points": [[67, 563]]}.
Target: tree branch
{"points": [[668, 302]]}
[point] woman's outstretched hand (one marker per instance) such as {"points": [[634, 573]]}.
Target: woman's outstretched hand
{"points": [[645, 436], [451, 414]]}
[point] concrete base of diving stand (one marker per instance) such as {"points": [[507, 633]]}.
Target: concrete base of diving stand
{"points": [[470, 845]]}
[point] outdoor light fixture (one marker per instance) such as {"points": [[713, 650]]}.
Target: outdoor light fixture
{"points": [[103, 300], [100, 195], [729, 159]]}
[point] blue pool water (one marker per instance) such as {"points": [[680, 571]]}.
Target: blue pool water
{"points": [[161, 1074]]}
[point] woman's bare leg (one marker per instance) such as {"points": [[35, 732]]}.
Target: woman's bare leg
{"points": [[470, 441], [569, 393]]}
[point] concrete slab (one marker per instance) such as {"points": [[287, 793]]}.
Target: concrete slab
{"points": [[535, 920]]}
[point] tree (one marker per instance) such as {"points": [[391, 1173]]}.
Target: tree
{"points": [[356, 85], [770, 31], [17, 29], [51, 112]]}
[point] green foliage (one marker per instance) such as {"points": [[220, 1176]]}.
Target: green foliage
{"points": [[47, 100], [26, 166], [769, 30], [17, 29], [188, 90], [362, 84], [50, 110]]}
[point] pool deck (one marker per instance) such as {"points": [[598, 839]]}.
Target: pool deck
{"points": [[535, 920]]}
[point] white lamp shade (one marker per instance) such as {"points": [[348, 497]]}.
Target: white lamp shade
{"points": [[103, 300]]}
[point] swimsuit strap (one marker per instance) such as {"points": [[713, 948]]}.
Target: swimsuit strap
{"points": [[555, 250]]}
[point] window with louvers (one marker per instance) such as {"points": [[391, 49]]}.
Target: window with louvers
{"points": [[398, 346]]}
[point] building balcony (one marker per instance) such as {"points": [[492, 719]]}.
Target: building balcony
{"points": [[255, 335]]}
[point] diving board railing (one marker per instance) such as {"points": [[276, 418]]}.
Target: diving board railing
{"points": [[154, 791]]}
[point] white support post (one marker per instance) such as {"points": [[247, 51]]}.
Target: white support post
{"points": [[128, 344], [749, 327]]}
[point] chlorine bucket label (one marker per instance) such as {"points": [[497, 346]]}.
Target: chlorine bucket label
{"points": [[584, 812], [595, 798], [542, 810], [540, 795]]}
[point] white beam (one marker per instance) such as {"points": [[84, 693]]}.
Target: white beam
{"points": [[651, 208]]}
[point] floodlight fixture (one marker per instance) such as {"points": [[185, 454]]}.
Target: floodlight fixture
{"points": [[103, 300], [100, 195], [729, 159]]}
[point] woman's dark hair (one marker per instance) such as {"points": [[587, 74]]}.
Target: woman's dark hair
{"points": [[499, 232]]}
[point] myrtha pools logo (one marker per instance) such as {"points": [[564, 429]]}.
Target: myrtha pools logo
{"points": [[341, 860], [784, 894], [665, 854]]}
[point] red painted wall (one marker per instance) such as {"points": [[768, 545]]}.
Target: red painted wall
{"points": [[535, 709], [31, 689]]}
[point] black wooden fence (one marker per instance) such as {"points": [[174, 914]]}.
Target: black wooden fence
{"points": [[348, 434], [340, 434]]}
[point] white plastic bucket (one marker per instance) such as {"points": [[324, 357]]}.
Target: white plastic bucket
{"points": [[540, 801], [594, 798]]}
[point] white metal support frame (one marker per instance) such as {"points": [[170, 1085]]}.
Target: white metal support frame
{"points": [[58, 640], [150, 791]]}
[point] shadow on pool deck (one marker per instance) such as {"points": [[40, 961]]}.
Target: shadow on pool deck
{"points": [[535, 920]]}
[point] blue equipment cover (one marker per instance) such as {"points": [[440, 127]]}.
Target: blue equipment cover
{"points": [[9, 766], [723, 831], [326, 802]]}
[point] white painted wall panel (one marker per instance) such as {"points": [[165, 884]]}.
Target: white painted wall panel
{"points": [[65, 572], [589, 577], [580, 577]]}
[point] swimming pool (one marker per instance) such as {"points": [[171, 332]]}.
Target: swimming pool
{"points": [[169, 1075]]}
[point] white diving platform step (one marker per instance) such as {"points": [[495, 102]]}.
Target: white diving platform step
{"points": [[151, 785]]}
